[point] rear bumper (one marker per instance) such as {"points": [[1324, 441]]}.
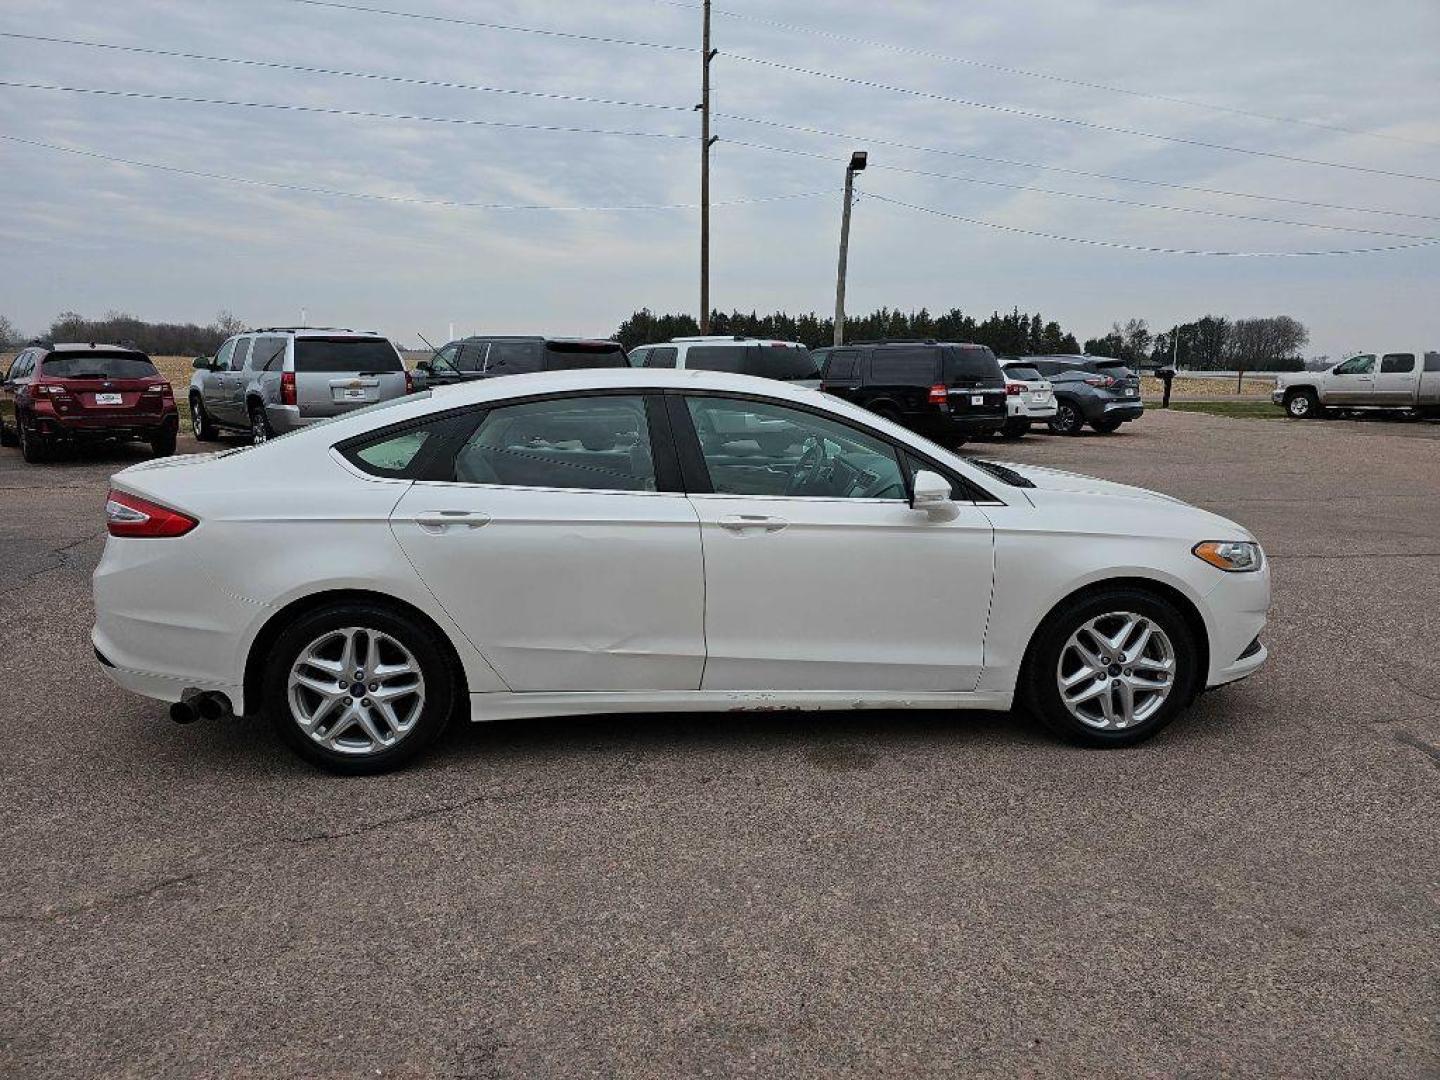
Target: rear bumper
{"points": [[83, 429], [286, 418], [972, 424], [1121, 410]]}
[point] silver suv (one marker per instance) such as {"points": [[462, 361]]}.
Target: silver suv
{"points": [[272, 381]]}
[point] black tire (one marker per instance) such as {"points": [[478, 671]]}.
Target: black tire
{"points": [[8, 437], [1016, 427], [163, 444], [1039, 694], [442, 685], [1068, 419], [1302, 405], [200, 422], [33, 448], [1106, 427], [260, 430]]}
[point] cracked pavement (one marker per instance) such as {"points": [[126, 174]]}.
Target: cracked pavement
{"points": [[1252, 893]]}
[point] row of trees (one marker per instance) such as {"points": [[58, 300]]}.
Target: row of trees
{"points": [[157, 339], [1210, 343], [1015, 334]]}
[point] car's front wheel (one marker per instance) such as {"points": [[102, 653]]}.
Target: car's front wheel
{"points": [[1067, 420], [200, 422], [1303, 405], [1113, 669], [359, 688]]}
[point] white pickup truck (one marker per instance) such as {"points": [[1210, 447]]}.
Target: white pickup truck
{"points": [[1392, 380]]}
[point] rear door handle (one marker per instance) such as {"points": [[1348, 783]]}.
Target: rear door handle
{"points": [[751, 523], [440, 520]]}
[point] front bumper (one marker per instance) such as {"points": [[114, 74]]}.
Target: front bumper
{"points": [[1277, 396]]}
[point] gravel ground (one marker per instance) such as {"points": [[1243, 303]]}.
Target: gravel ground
{"points": [[1253, 893]]}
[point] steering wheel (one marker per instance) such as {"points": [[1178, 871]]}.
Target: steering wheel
{"points": [[810, 467]]}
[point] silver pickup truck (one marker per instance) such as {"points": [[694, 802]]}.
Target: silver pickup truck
{"points": [[1392, 380]]}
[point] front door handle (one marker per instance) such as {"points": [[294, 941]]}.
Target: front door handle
{"points": [[752, 523], [440, 520]]}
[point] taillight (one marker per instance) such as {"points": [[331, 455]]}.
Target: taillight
{"points": [[130, 515], [939, 395], [1013, 388], [287, 388], [51, 390], [1100, 380]]}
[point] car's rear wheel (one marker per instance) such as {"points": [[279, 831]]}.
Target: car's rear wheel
{"points": [[200, 422], [7, 437], [1067, 420], [1106, 427], [1302, 405], [358, 688], [260, 431], [1113, 669], [33, 448], [163, 444], [1016, 427]]}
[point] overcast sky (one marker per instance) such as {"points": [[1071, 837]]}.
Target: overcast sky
{"points": [[90, 235]]}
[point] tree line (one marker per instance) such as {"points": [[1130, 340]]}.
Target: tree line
{"points": [[1015, 334], [1209, 343], [118, 327]]}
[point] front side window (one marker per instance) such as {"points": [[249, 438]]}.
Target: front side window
{"points": [[17, 367], [762, 448], [222, 358], [593, 442], [446, 358], [1357, 365], [1397, 363]]}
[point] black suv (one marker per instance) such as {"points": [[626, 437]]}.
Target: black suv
{"points": [[1094, 390], [488, 357], [943, 390]]}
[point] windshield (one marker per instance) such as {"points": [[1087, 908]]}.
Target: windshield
{"points": [[767, 361], [345, 355], [564, 355], [98, 365]]}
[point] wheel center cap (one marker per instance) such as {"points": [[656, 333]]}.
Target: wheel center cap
{"points": [[357, 689], [1113, 670]]}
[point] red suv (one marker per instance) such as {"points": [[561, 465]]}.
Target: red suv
{"points": [[55, 395]]}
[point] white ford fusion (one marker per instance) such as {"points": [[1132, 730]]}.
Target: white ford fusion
{"points": [[646, 540]]}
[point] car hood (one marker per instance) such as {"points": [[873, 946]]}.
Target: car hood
{"points": [[1077, 483]]}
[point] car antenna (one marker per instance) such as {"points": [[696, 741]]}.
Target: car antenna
{"points": [[421, 336]]}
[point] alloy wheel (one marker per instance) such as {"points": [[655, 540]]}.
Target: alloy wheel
{"points": [[356, 691], [197, 417], [259, 430], [1116, 671], [1299, 405]]}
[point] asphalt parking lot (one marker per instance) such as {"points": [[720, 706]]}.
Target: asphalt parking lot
{"points": [[1253, 893]]}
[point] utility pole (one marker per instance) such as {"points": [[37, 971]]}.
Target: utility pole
{"points": [[707, 54], [857, 164]]}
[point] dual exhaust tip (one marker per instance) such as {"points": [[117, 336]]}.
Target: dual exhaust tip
{"points": [[200, 705]]}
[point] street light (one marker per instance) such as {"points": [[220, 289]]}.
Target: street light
{"points": [[857, 164]]}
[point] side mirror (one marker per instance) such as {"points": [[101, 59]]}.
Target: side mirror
{"points": [[201, 363], [932, 494]]}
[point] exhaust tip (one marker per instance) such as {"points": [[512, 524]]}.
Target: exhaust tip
{"points": [[183, 712], [212, 706]]}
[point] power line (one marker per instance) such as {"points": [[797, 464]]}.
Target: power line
{"points": [[313, 70], [1093, 175], [1121, 246], [1069, 121], [1049, 77], [405, 199], [508, 27], [329, 111]]}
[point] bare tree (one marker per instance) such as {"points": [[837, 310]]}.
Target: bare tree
{"points": [[1263, 343], [228, 324], [8, 334]]}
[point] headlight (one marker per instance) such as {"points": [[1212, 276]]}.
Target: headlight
{"points": [[1232, 556]]}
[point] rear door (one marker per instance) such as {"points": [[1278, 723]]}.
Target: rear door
{"points": [[334, 374], [561, 544], [1429, 394], [1395, 382]]}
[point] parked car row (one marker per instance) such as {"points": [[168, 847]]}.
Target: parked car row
{"points": [[1408, 380]]}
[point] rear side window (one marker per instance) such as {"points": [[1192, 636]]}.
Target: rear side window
{"points": [[98, 365], [968, 365], [515, 357], [765, 361], [663, 357], [568, 355], [470, 356], [1397, 363], [372, 356], [1432, 361], [905, 367]]}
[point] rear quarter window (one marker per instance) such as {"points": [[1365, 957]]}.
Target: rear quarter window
{"points": [[347, 354], [905, 367], [842, 365]]}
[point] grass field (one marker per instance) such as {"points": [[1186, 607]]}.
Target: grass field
{"points": [[1240, 407]]}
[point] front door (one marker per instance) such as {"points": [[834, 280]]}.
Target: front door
{"points": [[552, 545], [818, 574], [8, 389], [1352, 382]]}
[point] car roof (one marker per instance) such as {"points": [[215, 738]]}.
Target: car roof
{"points": [[311, 331], [538, 337]]}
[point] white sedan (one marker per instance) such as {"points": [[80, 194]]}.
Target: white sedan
{"points": [[1028, 397], [613, 541]]}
